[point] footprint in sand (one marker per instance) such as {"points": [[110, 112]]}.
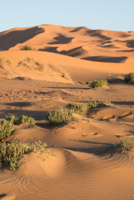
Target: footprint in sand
{"points": [[7, 196], [91, 134]]}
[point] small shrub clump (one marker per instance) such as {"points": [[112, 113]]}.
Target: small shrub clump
{"points": [[6, 128], [24, 119], [60, 116], [95, 84], [78, 107], [27, 48], [95, 104], [20, 120], [125, 145], [130, 78], [12, 118], [11, 153]]}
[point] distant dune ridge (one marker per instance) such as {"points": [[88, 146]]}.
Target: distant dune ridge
{"points": [[81, 42], [94, 54]]}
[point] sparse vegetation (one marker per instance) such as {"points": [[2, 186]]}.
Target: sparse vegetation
{"points": [[4, 62], [60, 116], [95, 84], [125, 145], [94, 104], [78, 107], [65, 115], [12, 118], [24, 119], [16, 120], [33, 64], [11, 153], [6, 128], [130, 78], [27, 48]]}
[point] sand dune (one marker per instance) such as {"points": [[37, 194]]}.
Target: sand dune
{"points": [[35, 82], [56, 39]]}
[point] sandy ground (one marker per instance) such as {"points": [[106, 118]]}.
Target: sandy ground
{"points": [[82, 168]]}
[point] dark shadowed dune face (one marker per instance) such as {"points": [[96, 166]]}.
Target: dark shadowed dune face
{"points": [[80, 42]]}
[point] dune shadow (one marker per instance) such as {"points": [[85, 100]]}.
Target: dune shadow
{"points": [[123, 103], [61, 39], [50, 49], [106, 59], [77, 29], [2, 195], [130, 43], [20, 104], [36, 114], [18, 36]]}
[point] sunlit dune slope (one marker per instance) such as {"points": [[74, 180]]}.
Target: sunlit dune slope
{"points": [[81, 42]]}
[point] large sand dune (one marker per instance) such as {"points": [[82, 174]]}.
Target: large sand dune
{"points": [[82, 168]]}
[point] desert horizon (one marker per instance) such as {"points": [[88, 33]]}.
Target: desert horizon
{"points": [[67, 113]]}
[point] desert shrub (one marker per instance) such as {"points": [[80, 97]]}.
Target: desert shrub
{"points": [[130, 77], [15, 120], [6, 128], [95, 84], [59, 116], [65, 115], [78, 107], [27, 48], [125, 145], [12, 118], [24, 119], [94, 104], [11, 153]]}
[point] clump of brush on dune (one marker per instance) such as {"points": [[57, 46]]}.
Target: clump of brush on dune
{"points": [[5, 62], [125, 145], [33, 64], [6, 126], [20, 120], [130, 78], [65, 114], [101, 83], [11, 153], [27, 48]]}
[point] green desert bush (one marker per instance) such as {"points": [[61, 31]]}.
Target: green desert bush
{"points": [[12, 118], [24, 119], [6, 128], [27, 48], [21, 120], [95, 84], [78, 107], [11, 153], [125, 145], [81, 108], [60, 116], [94, 104], [130, 77]]}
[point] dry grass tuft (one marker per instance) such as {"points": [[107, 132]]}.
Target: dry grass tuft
{"points": [[33, 64], [4, 62]]}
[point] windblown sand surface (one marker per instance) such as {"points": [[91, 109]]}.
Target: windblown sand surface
{"points": [[82, 168]]}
